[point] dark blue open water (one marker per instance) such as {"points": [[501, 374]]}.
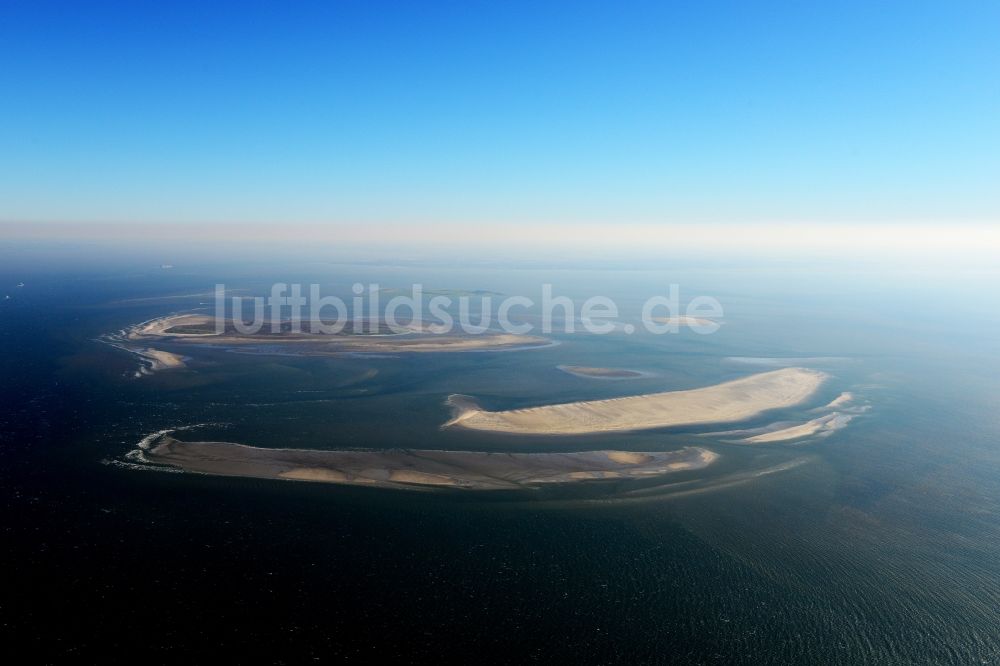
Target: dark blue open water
{"points": [[879, 544]]}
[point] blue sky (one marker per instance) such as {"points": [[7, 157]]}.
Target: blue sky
{"points": [[413, 112]]}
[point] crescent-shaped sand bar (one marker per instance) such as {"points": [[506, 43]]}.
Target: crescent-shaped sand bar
{"points": [[191, 330], [411, 469], [730, 401]]}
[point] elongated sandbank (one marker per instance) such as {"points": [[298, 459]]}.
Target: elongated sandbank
{"points": [[822, 425], [413, 469], [728, 402], [600, 373], [153, 360], [309, 339]]}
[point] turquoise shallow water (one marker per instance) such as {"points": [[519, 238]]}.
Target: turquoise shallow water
{"points": [[878, 544]]}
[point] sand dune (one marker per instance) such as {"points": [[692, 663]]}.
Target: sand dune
{"points": [[412, 469], [727, 402]]}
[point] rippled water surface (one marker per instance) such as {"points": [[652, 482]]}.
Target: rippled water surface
{"points": [[876, 544]]}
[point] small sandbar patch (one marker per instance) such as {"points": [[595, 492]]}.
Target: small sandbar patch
{"points": [[582, 476], [154, 360], [601, 373], [314, 474], [823, 425], [629, 458], [161, 360], [420, 478], [841, 400]]}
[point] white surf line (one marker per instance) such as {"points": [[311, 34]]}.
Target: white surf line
{"points": [[137, 456]]}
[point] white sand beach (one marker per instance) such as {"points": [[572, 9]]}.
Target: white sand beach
{"points": [[731, 401]]}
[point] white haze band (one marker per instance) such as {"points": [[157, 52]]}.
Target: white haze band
{"points": [[315, 313]]}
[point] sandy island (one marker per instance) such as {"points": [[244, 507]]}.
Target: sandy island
{"points": [[191, 329], [413, 469], [731, 401]]}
